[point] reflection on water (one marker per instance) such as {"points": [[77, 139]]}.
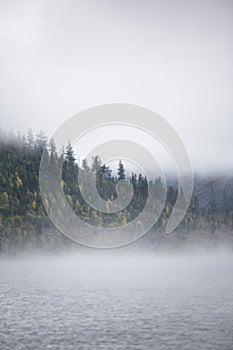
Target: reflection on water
{"points": [[103, 302]]}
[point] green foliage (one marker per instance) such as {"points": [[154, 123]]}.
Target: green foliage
{"points": [[24, 223]]}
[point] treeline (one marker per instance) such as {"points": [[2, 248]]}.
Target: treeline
{"points": [[24, 224]]}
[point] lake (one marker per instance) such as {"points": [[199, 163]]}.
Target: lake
{"points": [[113, 301]]}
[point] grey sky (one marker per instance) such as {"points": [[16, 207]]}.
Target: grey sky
{"points": [[175, 57]]}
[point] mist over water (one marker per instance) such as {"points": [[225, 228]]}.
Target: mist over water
{"points": [[109, 300], [163, 292]]}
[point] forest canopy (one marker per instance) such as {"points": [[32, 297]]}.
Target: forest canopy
{"points": [[24, 223]]}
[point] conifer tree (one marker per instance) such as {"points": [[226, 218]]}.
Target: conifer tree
{"points": [[120, 171]]}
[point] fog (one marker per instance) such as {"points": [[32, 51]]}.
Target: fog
{"points": [[174, 57], [123, 267], [58, 58]]}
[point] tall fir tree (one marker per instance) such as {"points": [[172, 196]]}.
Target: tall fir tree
{"points": [[121, 171]]}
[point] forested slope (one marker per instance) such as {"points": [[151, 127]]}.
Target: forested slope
{"points": [[24, 224]]}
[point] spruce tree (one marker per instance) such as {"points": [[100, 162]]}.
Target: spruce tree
{"points": [[120, 171]]}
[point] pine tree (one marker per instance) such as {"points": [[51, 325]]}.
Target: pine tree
{"points": [[41, 141], [96, 164], [105, 172], [121, 171], [69, 155], [52, 148]]}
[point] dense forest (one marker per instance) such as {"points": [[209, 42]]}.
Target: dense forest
{"points": [[25, 226]]}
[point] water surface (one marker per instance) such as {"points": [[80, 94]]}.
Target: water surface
{"points": [[104, 302]]}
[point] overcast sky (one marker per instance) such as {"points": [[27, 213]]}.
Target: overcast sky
{"points": [[175, 57]]}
